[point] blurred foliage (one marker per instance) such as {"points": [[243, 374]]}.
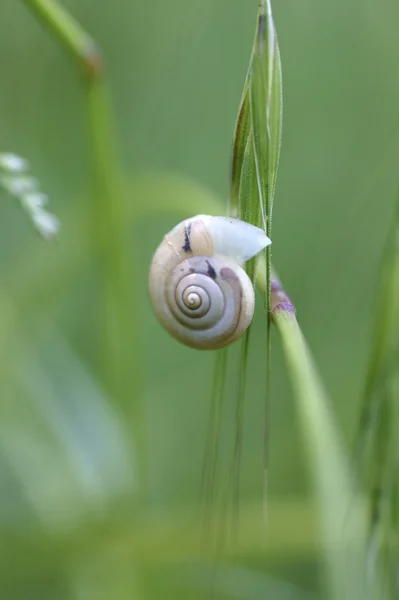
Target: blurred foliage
{"points": [[72, 522], [377, 454]]}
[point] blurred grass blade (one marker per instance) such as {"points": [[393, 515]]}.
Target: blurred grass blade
{"points": [[50, 402], [343, 545], [242, 384], [68, 31], [377, 445], [213, 433], [119, 351]]}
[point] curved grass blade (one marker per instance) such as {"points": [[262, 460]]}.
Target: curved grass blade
{"points": [[343, 545], [377, 447], [213, 434], [118, 353]]}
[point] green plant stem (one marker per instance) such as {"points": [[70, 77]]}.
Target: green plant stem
{"points": [[268, 273], [68, 31], [119, 355], [331, 475], [213, 433], [376, 452]]}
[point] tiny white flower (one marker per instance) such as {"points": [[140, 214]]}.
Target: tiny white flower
{"points": [[13, 163], [34, 200], [47, 224], [17, 186], [26, 189]]}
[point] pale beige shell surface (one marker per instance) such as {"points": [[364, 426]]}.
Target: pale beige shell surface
{"points": [[202, 298]]}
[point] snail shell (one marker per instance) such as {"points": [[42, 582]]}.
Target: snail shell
{"points": [[198, 289]]}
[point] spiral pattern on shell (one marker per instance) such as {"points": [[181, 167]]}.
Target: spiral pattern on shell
{"points": [[204, 298]]}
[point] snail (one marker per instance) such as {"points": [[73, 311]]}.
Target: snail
{"points": [[198, 289]]}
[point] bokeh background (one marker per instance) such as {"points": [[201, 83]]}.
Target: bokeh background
{"points": [[75, 520]]}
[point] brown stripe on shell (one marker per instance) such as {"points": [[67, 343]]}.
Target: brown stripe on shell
{"points": [[187, 243], [234, 282]]}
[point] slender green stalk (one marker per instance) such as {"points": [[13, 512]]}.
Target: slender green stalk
{"points": [[239, 429], [119, 356], [69, 32], [213, 433], [376, 453], [330, 469], [257, 143], [117, 308]]}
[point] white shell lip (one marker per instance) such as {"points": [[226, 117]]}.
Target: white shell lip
{"points": [[233, 237]]}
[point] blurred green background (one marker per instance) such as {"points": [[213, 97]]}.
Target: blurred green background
{"points": [[75, 521]]}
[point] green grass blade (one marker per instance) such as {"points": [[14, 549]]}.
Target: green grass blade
{"points": [[68, 31], [241, 150], [265, 100], [119, 351], [377, 452], [239, 429], [257, 137], [213, 434], [342, 538], [256, 151]]}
